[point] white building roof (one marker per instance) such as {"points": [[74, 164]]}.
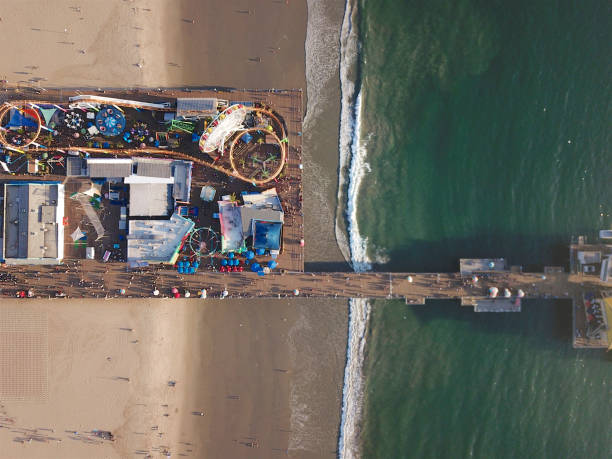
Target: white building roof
{"points": [[476, 265], [146, 170], [33, 223], [195, 106], [589, 257], [265, 206], [181, 171], [153, 167], [232, 237], [156, 241], [267, 199], [150, 200], [109, 167]]}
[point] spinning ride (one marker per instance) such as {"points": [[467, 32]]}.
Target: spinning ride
{"points": [[110, 121], [74, 120], [259, 159], [20, 125]]}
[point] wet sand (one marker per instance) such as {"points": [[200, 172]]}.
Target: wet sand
{"points": [[201, 345], [320, 142]]}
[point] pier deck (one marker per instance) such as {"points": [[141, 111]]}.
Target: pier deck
{"points": [[93, 279], [81, 278], [88, 278], [286, 103]]}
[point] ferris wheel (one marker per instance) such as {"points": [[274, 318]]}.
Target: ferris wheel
{"points": [[203, 242]]}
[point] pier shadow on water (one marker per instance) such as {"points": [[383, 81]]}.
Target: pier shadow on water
{"points": [[420, 256], [327, 266], [542, 324], [529, 251]]}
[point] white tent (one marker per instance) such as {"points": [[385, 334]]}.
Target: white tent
{"points": [[77, 234]]}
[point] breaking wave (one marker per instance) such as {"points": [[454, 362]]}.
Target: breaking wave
{"points": [[353, 164], [357, 171], [352, 392]]}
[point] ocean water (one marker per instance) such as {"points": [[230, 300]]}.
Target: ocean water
{"points": [[473, 129], [487, 127], [445, 382]]}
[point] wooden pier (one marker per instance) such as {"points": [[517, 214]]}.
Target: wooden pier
{"points": [[89, 278], [77, 277], [94, 279]]}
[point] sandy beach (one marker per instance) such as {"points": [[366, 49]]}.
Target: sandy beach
{"points": [[111, 366], [266, 374], [155, 43]]}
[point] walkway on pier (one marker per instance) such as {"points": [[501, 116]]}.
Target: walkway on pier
{"points": [[89, 278], [93, 279]]}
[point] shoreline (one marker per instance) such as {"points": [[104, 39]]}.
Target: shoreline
{"points": [[321, 136], [352, 168], [353, 390], [109, 38]]}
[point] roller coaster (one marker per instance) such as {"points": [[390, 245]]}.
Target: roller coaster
{"points": [[75, 126]]}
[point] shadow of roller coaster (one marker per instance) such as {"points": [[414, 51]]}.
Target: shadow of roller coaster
{"points": [[277, 134]]}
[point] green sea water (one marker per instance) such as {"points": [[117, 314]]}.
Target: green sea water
{"points": [[487, 125], [445, 382]]}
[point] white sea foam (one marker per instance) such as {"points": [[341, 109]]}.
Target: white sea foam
{"points": [[352, 392], [357, 171], [322, 50], [351, 145], [353, 150], [321, 65]]}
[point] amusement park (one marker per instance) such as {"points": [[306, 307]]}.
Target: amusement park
{"points": [[247, 140], [189, 184], [198, 194]]}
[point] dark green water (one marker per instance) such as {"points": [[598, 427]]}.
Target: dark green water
{"points": [[470, 106], [445, 382], [488, 134]]}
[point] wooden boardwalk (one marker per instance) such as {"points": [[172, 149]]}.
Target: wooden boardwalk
{"points": [[79, 278], [89, 278], [94, 279]]}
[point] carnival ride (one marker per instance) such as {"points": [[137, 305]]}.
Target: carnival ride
{"points": [[257, 156], [73, 120], [95, 125], [110, 121], [20, 126], [258, 143], [203, 242], [223, 126]]}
